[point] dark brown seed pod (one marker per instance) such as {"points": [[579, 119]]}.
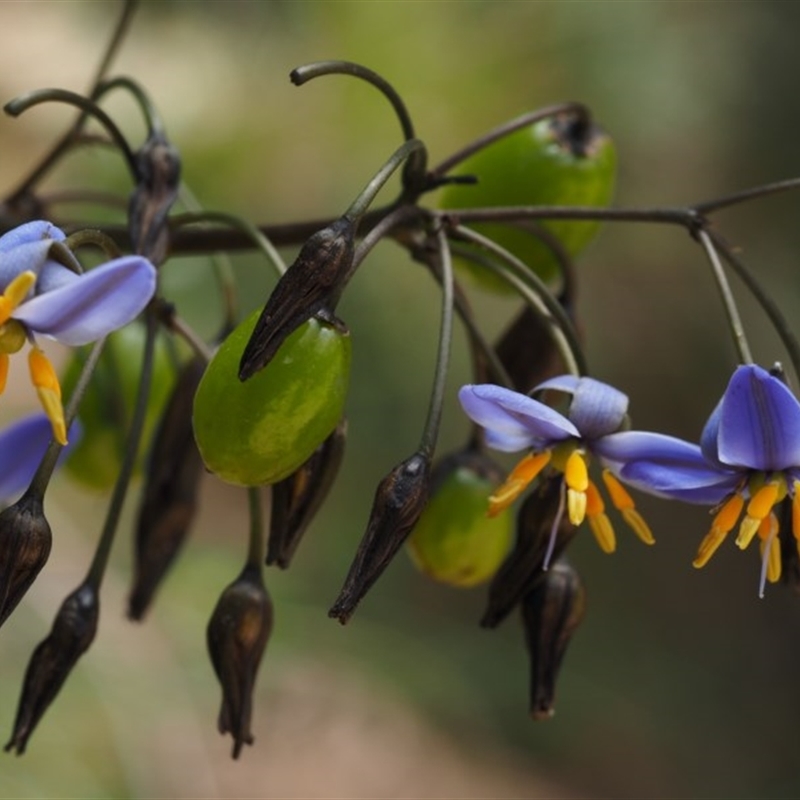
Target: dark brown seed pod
{"points": [[551, 612], [399, 500], [310, 287], [522, 570], [237, 636], [296, 500], [25, 542], [52, 661], [158, 168], [169, 500]]}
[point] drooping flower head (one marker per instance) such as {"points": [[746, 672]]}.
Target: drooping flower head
{"points": [[747, 463], [44, 292], [565, 443]]}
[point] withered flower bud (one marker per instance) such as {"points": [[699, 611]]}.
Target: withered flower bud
{"points": [[158, 168], [52, 661], [237, 636], [399, 500], [551, 613], [310, 287], [297, 499], [25, 541], [169, 500], [522, 570]]}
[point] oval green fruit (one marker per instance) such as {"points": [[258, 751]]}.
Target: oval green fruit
{"points": [[557, 161], [106, 410], [454, 541], [261, 430]]}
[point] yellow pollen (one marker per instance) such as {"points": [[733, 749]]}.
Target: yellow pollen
{"points": [[15, 293], [513, 486], [45, 380], [757, 509]]}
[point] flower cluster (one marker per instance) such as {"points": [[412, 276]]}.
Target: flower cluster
{"points": [[746, 465]]}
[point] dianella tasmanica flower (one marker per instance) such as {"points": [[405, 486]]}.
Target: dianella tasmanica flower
{"points": [[747, 464], [45, 293], [560, 442]]}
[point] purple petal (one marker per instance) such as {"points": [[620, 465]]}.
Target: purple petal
{"points": [[597, 409], [98, 302], [35, 231], [666, 466], [514, 421], [22, 445], [759, 422], [26, 248]]}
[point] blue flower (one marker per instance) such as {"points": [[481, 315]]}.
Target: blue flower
{"points": [[747, 463], [40, 295], [565, 443], [22, 445]]}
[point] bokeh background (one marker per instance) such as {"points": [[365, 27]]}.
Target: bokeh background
{"points": [[680, 683]]}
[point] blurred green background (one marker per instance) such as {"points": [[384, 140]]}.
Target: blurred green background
{"points": [[680, 683]]}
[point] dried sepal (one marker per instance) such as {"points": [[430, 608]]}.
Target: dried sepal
{"points": [[399, 500]]}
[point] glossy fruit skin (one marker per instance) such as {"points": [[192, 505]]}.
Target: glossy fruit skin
{"points": [[454, 541], [259, 431], [106, 410], [555, 161]]}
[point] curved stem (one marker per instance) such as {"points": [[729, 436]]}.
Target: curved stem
{"points": [[24, 102], [754, 193], [66, 141], [97, 568], [769, 307], [431, 430], [535, 291], [360, 205], [303, 74], [96, 238], [155, 125], [509, 127], [728, 300]]}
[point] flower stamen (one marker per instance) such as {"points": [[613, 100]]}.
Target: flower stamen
{"points": [[48, 388], [758, 508], [576, 476], [770, 552], [519, 478], [15, 293], [599, 522], [623, 502], [721, 526]]}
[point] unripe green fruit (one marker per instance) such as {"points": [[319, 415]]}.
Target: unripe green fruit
{"points": [[107, 407], [261, 430], [454, 541], [559, 161]]}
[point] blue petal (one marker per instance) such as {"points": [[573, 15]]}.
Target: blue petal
{"points": [[94, 304], [666, 466], [597, 409], [759, 422], [22, 445], [514, 421], [26, 248]]}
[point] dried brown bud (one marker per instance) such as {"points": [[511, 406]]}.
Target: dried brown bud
{"points": [[399, 500], [310, 287], [158, 170], [522, 570], [297, 499], [237, 636], [25, 541], [52, 661], [169, 500], [551, 613]]}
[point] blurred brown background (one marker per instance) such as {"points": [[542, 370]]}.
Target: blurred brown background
{"points": [[680, 683]]}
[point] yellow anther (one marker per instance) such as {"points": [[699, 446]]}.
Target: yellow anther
{"points": [[757, 509], [603, 532], [768, 534], [15, 293], [637, 524], [576, 506], [594, 502], [721, 525], [47, 387], [714, 538], [575, 472], [623, 502], [796, 511], [513, 486]]}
